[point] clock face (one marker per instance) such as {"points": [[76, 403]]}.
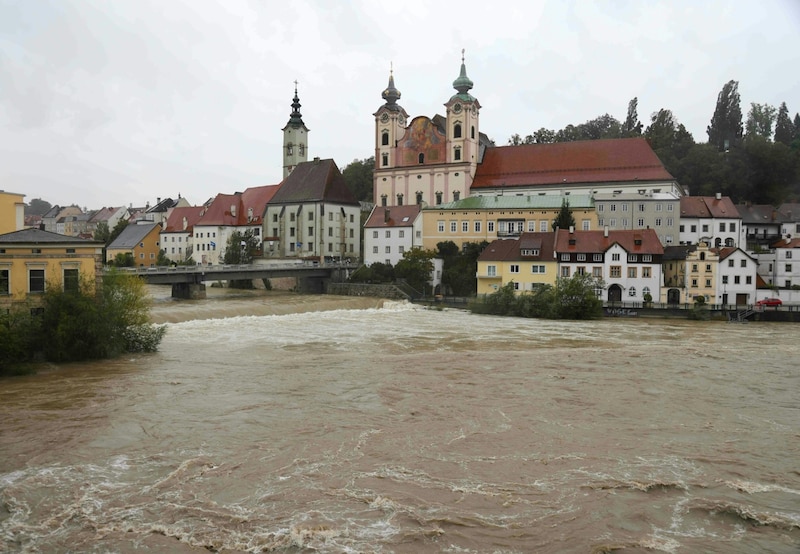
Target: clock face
{"points": [[457, 108], [385, 118]]}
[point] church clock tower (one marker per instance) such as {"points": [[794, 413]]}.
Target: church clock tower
{"points": [[390, 122], [462, 122], [295, 138]]}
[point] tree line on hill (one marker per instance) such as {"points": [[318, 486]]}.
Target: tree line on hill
{"points": [[756, 159]]}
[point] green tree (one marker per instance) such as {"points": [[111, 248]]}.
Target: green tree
{"points": [[460, 266], [123, 259], [416, 268], [565, 219], [544, 136], [725, 130], [102, 232], [784, 129], [632, 126], [94, 324], [575, 297], [760, 120], [358, 178], [37, 206], [18, 339], [240, 248], [162, 259]]}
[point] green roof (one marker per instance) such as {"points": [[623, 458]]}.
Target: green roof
{"points": [[525, 201]]}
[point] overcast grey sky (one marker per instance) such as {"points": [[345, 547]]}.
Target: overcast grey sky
{"points": [[120, 102]]}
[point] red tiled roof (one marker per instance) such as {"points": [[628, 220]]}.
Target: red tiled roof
{"points": [[175, 220], [256, 199], [570, 163], [634, 241], [786, 243], [708, 206], [248, 207], [397, 216], [511, 249]]}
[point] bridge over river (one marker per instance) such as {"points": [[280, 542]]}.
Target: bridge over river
{"points": [[189, 281]]}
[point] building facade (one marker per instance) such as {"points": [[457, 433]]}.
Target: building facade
{"points": [[486, 218], [427, 160], [33, 260], [313, 215], [713, 220], [389, 232]]}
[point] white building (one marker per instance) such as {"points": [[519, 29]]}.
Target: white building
{"points": [[713, 220], [389, 232], [629, 262]]}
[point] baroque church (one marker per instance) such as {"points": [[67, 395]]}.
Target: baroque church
{"points": [[441, 160], [424, 160]]}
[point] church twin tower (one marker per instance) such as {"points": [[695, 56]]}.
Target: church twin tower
{"points": [[421, 161], [430, 161]]}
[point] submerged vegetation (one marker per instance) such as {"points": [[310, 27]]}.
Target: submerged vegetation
{"points": [[570, 298], [80, 324]]}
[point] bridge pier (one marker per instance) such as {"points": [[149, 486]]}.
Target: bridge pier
{"points": [[189, 291]]}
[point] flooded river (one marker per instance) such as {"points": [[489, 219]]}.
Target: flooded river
{"points": [[325, 424]]}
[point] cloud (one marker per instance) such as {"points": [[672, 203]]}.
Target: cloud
{"points": [[122, 102]]}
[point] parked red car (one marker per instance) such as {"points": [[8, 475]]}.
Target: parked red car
{"points": [[769, 302]]}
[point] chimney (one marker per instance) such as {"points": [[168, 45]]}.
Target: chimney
{"points": [[386, 216], [719, 196], [605, 231], [571, 229]]}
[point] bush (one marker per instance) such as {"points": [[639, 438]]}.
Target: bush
{"points": [[81, 325]]}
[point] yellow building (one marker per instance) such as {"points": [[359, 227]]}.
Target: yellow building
{"points": [[141, 240], [527, 261], [32, 261], [12, 212], [487, 218], [690, 271]]}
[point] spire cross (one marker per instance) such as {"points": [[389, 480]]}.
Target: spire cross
{"points": [[295, 86], [462, 55]]}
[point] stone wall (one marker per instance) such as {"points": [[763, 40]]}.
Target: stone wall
{"points": [[360, 289]]}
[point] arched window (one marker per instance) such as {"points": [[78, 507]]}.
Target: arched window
{"points": [[421, 157], [419, 198], [400, 199], [632, 291], [729, 242], [645, 291], [457, 130], [385, 138], [457, 153], [472, 132]]}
